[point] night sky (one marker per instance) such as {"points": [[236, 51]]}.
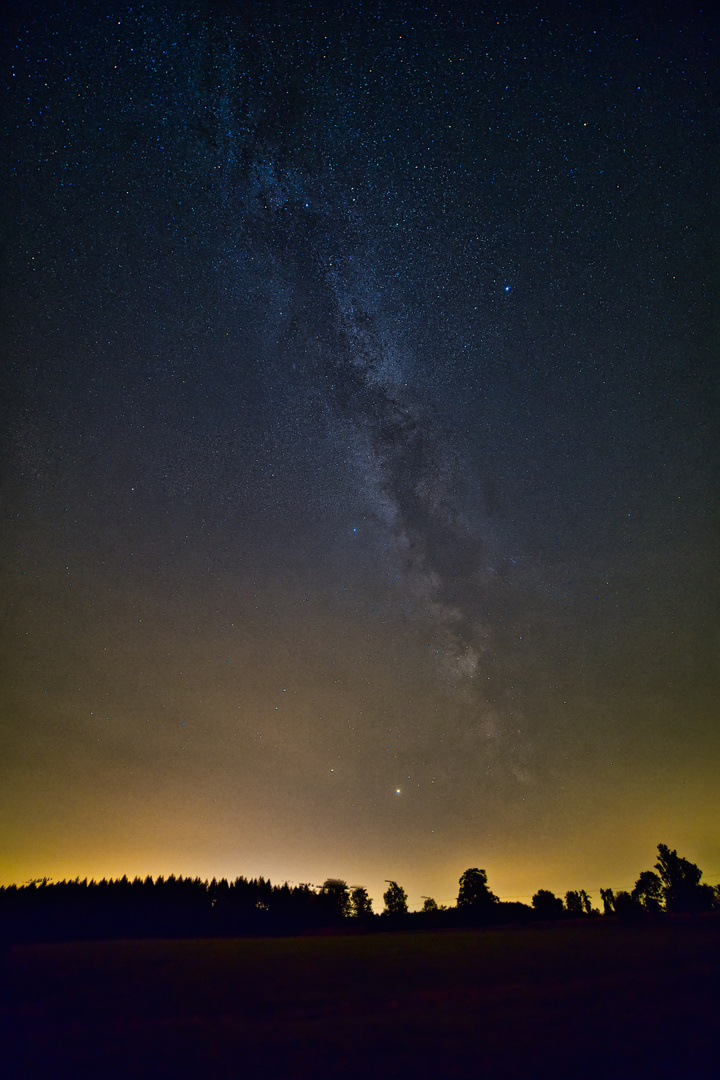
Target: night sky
{"points": [[360, 442]]}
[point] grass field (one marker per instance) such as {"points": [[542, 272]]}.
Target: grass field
{"points": [[589, 999]]}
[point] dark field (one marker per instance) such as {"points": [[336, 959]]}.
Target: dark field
{"points": [[588, 999]]}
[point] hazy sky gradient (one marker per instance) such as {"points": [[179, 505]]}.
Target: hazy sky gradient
{"points": [[361, 443]]}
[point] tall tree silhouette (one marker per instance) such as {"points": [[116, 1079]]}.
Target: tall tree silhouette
{"points": [[336, 896], [608, 898], [360, 902], [574, 903], [648, 892], [681, 887], [474, 892], [586, 902], [395, 899]]}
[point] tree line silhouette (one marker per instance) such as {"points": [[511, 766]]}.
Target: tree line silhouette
{"points": [[42, 910]]}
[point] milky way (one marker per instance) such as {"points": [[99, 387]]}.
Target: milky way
{"points": [[400, 463]]}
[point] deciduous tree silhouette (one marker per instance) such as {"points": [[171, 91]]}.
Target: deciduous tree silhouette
{"points": [[395, 899], [587, 903], [574, 904], [627, 907], [336, 897], [474, 892], [648, 892], [547, 904], [608, 898], [681, 886], [360, 902]]}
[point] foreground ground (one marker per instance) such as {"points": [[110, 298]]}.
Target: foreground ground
{"points": [[592, 999]]}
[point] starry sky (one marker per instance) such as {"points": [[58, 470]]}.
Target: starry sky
{"points": [[360, 442]]}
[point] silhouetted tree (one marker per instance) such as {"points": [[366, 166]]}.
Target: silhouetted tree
{"points": [[429, 904], [547, 904], [395, 899], [573, 904], [587, 903], [627, 907], [336, 897], [608, 898], [474, 892], [681, 886], [360, 902], [648, 892]]}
